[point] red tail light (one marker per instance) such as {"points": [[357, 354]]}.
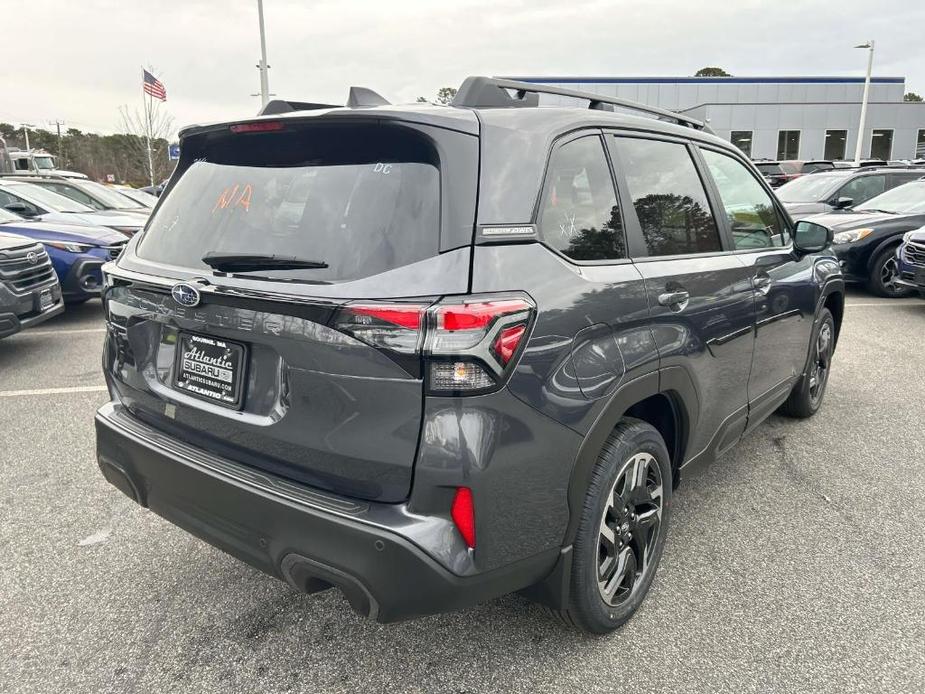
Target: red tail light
{"points": [[508, 341], [395, 327], [471, 343], [467, 345], [463, 514]]}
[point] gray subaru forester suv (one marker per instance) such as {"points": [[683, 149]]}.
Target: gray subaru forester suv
{"points": [[431, 355]]}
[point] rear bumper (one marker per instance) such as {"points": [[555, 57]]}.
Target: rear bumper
{"points": [[372, 552]]}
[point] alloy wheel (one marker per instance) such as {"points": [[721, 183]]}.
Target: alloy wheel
{"points": [[822, 359], [629, 529], [889, 273]]}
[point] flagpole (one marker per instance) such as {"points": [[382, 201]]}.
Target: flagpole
{"points": [[149, 107]]}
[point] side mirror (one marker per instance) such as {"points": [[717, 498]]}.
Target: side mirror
{"points": [[809, 237], [842, 203], [22, 209]]}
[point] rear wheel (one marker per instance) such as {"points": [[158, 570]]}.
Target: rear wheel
{"points": [[806, 396], [884, 275], [622, 529]]}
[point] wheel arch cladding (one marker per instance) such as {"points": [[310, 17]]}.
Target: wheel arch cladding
{"points": [[668, 411]]}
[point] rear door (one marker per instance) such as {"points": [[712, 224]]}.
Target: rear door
{"points": [[700, 295], [314, 373]]}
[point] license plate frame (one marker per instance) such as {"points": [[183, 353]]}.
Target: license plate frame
{"points": [[46, 299], [215, 372]]}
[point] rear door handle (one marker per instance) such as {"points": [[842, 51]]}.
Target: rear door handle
{"points": [[762, 283], [675, 300]]}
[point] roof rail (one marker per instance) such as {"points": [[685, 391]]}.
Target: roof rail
{"points": [[32, 174], [492, 92]]}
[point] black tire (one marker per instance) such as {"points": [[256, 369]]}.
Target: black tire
{"points": [[635, 448], [883, 274], [807, 394]]}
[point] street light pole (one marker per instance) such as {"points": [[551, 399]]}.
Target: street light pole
{"points": [[870, 64], [264, 81]]}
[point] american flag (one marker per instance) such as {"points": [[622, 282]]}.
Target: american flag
{"points": [[152, 85]]}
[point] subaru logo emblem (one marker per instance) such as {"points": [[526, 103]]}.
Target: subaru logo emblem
{"points": [[185, 294], [32, 257]]}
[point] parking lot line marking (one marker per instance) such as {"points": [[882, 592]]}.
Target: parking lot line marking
{"points": [[51, 391], [64, 332], [888, 303]]}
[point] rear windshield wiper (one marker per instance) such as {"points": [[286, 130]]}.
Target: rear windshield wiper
{"points": [[248, 262]]}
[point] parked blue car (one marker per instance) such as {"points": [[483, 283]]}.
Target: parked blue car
{"points": [[910, 259], [77, 252]]}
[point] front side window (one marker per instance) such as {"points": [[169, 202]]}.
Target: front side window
{"points": [[835, 143], [668, 197], [863, 188], [580, 217], [920, 145], [788, 144], [752, 217], [743, 140], [881, 144], [906, 199]]}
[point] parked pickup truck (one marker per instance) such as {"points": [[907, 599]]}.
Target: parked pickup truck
{"points": [[29, 290]]}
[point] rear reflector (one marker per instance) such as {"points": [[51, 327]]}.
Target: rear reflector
{"points": [[258, 127], [463, 514]]}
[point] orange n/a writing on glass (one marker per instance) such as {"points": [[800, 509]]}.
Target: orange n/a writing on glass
{"points": [[233, 197]]}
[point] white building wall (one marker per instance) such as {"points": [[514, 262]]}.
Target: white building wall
{"points": [[765, 107]]}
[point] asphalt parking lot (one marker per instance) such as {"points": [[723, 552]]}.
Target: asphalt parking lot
{"points": [[795, 564]]}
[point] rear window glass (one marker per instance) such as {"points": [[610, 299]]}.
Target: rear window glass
{"points": [[364, 200]]}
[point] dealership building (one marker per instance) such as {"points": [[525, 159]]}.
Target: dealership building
{"points": [[779, 117]]}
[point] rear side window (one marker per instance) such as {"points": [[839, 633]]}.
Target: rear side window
{"points": [[752, 217], [74, 194], [580, 216], [668, 197], [363, 199]]}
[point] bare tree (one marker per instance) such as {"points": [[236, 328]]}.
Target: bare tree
{"points": [[148, 130]]}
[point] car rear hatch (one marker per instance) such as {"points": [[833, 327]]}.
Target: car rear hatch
{"points": [[307, 365]]}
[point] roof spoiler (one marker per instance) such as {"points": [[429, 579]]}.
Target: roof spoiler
{"points": [[359, 97], [497, 92]]}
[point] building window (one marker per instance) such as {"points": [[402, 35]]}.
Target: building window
{"points": [[835, 143], [881, 144], [788, 144], [743, 140], [920, 145]]}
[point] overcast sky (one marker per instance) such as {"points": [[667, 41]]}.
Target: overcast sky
{"points": [[79, 60]]}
